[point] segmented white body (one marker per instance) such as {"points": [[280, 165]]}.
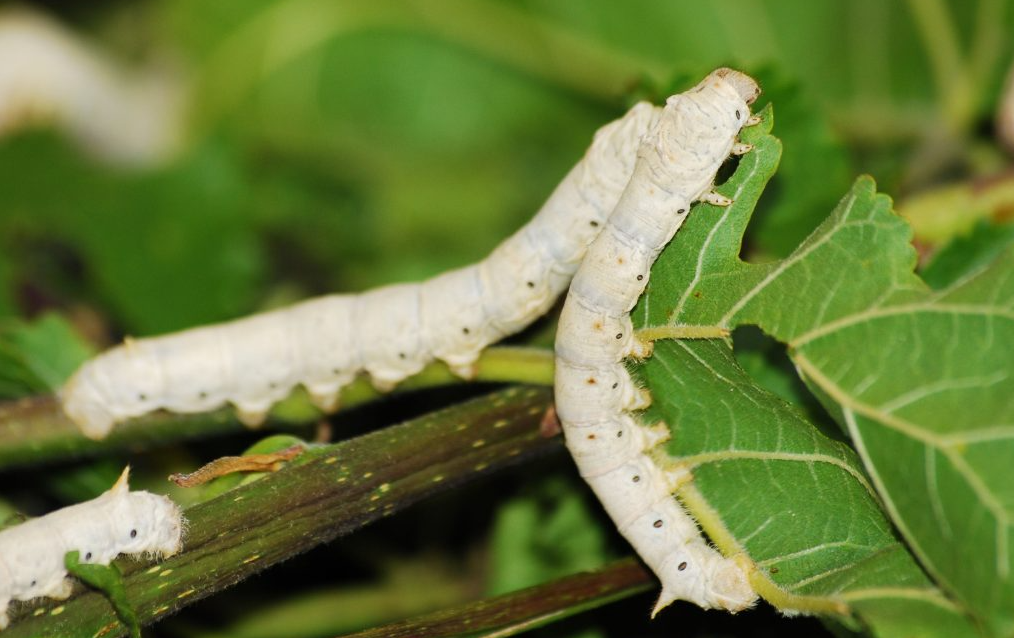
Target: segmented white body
{"points": [[676, 165], [116, 522], [390, 332], [49, 74]]}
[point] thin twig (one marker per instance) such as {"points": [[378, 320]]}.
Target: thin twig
{"points": [[527, 609]]}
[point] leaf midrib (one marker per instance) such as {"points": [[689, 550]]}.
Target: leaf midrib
{"points": [[924, 307]]}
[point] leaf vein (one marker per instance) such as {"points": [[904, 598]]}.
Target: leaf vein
{"points": [[982, 491], [705, 458], [784, 265], [903, 309]]}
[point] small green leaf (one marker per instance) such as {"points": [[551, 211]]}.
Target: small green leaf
{"points": [[38, 356], [109, 580]]}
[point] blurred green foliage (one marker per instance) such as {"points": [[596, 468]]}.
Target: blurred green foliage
{"points": [[339, 145]]}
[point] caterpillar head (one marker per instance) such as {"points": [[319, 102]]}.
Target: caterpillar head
{"points": [[142, 522], [118, 384], [85, 404], [744, 85]]}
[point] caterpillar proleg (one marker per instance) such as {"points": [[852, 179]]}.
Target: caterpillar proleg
{"points": [[389, 332], [595, 395], [116, 522]]}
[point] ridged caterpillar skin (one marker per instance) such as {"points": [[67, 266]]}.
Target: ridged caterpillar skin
{"points": [[116, 522], [595, 395], [389, 332]]}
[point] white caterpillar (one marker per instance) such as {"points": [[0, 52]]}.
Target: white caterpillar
{"points": [[47, 73], [676, 165], [116, 522], [390, 332]]}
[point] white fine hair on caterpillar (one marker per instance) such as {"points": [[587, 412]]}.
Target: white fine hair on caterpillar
{"points": [[116, 522], [597, 401]]}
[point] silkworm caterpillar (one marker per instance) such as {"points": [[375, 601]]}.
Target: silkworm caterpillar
{"points": [[49, 74], [595, 395], [116, 522], [389, 332]]}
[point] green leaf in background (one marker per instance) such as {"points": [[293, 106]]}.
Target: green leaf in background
{"points": [[766, 480], [966, 254], [547, 533], [813, 172], [165, 249], [37, 357], [109, 580], [954, 210], [7, 305]]}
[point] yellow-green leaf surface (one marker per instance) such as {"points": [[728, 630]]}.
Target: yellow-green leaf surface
{"points": [[918, 380]]}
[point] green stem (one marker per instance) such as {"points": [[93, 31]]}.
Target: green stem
{"points": [[286, 31], [940, 40], [327, 492], [35, 430], [987, 42]]}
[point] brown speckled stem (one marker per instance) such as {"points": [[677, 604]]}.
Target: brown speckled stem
{"points": [[327, 492]]}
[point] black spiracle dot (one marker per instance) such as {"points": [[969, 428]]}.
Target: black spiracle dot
{"points": [[530, 284], [636, 479], [133, 533], [401, 355], [88, 556], [33, 583], [640, 277], [619, 335], [682, 566], [616, 384], [737, 114], [657, 524], [619, 434], [594, 224], [466, 331], [681, 211]]}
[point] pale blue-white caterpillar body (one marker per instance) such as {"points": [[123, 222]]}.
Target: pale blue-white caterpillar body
{"points": [[116, 522], [596, 398], [390, 332]]}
